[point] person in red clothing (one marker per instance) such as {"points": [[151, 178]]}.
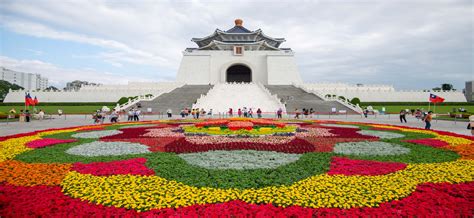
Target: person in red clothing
{"points": [[239, 112], [231, 112]]}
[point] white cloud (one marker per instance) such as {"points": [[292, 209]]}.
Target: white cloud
{"points": [[58, 76]]}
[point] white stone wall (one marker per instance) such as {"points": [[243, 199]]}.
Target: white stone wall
{"points": [[103, 93], [392, 96], [209, 66]]}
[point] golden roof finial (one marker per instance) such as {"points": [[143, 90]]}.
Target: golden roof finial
{"points": [[238, 22]]}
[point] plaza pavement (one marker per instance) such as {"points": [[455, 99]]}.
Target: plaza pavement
{"points": [[80, 120]]}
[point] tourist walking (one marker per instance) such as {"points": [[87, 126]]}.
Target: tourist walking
{"points": [[297, 113], [403, 118], [209, 113], [279, 113], [366, 112], [41, 115], [245, 112], [60, 112], [113, 116], [259, 113], [471, 124], [27, 116], [428, 119], [136, 114], [130, 115], [239, 112], [231, 112], [250, 113], [197, 113], [169, 112], [311, 112], [22, 116]]}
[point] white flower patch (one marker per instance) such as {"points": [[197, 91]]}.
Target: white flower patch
{"points": [[340, 125], [96, 134], [239, 159], [99, 148], [369, 148], [137, 126], [381, 134]]}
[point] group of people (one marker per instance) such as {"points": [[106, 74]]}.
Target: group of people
{"points": [[134, 114], [306, 113], [195, 112], [26, 115]]}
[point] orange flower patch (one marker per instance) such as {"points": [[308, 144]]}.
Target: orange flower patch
{"points": [[26, 174], [466, 151]]}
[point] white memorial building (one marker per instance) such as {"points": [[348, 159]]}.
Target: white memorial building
{"points": [[238, 55]]}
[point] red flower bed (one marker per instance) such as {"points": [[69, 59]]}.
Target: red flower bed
{"points": [[132, 133], [236, 125], [429, 200], [297, 146], [134, 166], [222, 122], [348, 167], [346, 132], [429, 142], [41, 143], [154, 144], [264, 122]]}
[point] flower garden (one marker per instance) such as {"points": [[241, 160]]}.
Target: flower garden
{"points": [[237, 167]]}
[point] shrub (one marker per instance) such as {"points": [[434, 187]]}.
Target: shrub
{"points": [[355, 101]]}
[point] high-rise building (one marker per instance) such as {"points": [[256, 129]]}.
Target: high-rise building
{"points": [[469, 91], [28, 81]]}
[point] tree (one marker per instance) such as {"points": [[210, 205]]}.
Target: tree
{"points": [[342, 98], [5, 86], [437, 89], [355, 101], [446, 87], [52, 88]]}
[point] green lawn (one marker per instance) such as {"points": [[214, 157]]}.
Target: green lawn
{"points": [[83, 109], [439, 109]]}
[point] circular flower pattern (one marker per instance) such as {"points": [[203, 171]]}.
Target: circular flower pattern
{"points": [[98, 148], [239, 159], [367, 148], [238, 166], [96, 134]]}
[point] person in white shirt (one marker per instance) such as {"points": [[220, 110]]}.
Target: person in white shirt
{"points": [[41, 115]]}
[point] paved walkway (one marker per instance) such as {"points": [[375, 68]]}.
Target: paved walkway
{"points": [[80, 120]]}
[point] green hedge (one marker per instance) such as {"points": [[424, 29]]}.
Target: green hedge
{"points": [[63, 104], [414, 103]]}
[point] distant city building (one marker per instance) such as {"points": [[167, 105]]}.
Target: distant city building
{"points": [[77, 84], [29, 81], [469, 91]]}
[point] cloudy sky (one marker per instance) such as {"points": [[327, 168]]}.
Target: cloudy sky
{"points": [[410, 44]]}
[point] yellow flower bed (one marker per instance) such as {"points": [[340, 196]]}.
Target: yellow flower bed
{"points": [[153, 192], [15, 146]]}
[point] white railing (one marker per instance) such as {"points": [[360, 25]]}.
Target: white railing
{"points": [[345, 102], [131, 102]]}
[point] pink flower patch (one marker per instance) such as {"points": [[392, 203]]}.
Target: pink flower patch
{"points": [[134, 166], [348, 167], [41, 143], [429, 142]]}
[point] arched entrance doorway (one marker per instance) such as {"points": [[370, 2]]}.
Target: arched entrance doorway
{"points": [[239, 73]]}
